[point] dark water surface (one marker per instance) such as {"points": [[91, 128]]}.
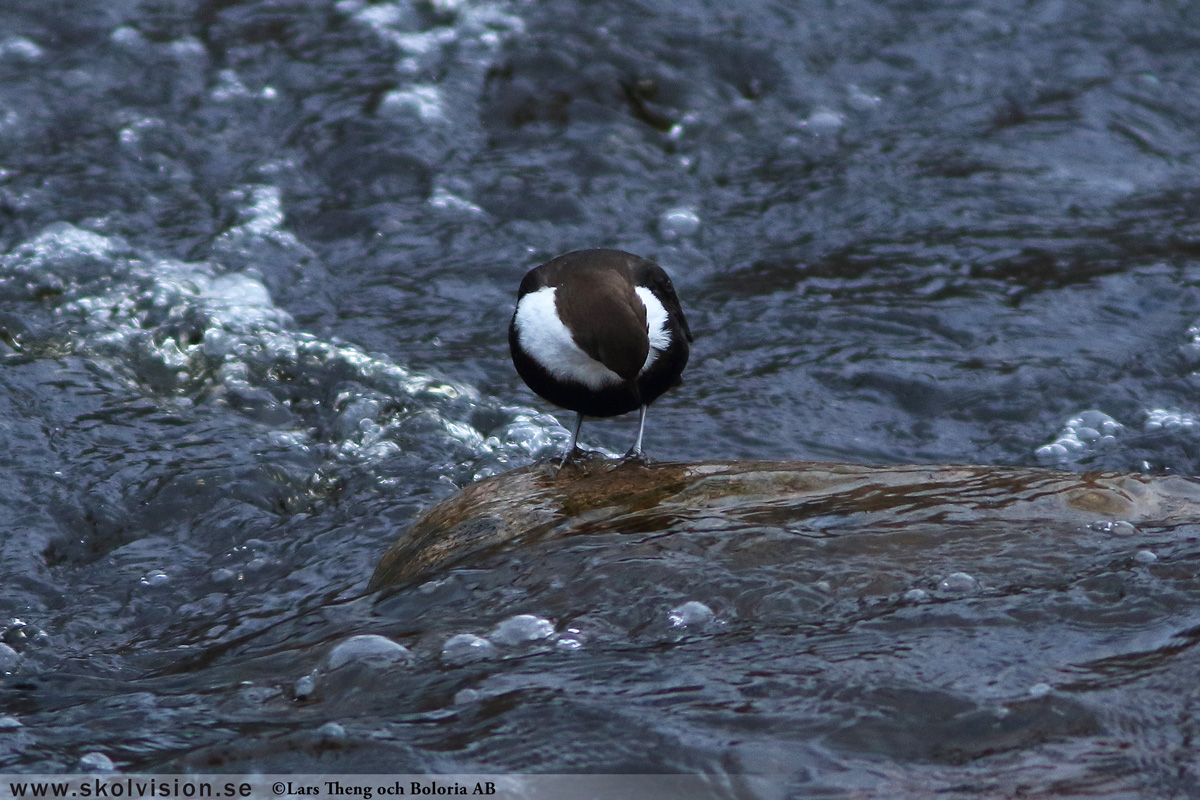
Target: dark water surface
{"points": [[256, 262]]}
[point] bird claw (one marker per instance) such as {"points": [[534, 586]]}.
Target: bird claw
{"points": [[571, 458], [635, 457]]}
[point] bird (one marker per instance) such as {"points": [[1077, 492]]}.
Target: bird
{"points": [[601, 333]]}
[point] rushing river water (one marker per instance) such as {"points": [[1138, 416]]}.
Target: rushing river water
{"points": [[257, 259]]}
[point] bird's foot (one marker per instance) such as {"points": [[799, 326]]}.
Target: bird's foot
{"points": [[635, 457], [570, 458]]}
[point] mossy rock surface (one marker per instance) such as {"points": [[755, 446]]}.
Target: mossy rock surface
{"points": [[728, 497]]}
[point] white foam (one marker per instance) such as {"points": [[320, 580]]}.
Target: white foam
{"points": [[485, 24], [1082, 435], [183, 328], [1158, 419]]}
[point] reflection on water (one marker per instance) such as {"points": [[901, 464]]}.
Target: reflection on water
{"points": [[256, 262]]}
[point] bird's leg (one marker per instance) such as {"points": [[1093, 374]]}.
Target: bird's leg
{"points": [[636, 453], [574, 444]]}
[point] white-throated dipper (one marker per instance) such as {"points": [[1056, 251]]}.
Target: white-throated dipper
{"points": [[599, 332]]}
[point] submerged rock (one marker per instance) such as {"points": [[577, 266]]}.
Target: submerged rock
{"points": [[595, 496]]}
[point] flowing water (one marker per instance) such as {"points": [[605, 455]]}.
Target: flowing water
{"points": [[256, 263]]}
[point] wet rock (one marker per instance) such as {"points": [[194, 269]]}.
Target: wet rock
{"points": [[591, 496]]}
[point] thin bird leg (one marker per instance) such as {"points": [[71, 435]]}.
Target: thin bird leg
{"points": [[636, 450], [573, 446]]}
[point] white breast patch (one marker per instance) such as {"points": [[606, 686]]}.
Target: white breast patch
{"points": [[544, 337], [656, 324]]}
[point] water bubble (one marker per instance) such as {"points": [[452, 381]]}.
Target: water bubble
{"points": [[305, 687], [187, 47], [425, 101], [1158, 419], [447, 6], [679, 222], [127, 36], [223, 575], [1119, 527], [916, 596], [9, 658], [572, 639], [258, 564], [463, 696], [156, 577], [1097, 421], [19, 48], [354, 413], [96, 762], [253, 695], [1145, 557], [1051, 452], [522, 628], [1082, 434], [331, 731], [8, 723], [959, 583], [463, 648], [16, 630], [241, 297], [229, 86], [445, 199], [1040, 690], [368, 649], [860, 100], [823, 121], [68, 252], [691, 613]]}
